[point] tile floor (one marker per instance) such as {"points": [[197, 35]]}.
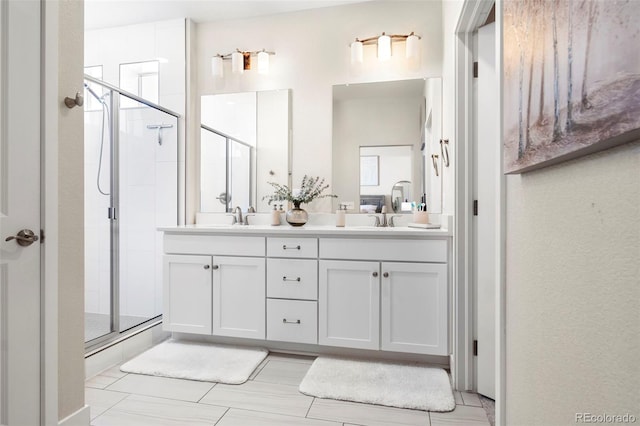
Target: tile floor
{"points": [[269, 398]]}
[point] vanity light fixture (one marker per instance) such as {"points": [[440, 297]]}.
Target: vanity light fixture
{"points": [[384, 42], [241, 61]]}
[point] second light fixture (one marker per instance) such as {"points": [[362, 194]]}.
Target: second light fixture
{"points": [[241, 61], [384, 46]]}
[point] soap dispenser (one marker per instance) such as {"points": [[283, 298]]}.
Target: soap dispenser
{"points": [[275, 216], [341, 216]]}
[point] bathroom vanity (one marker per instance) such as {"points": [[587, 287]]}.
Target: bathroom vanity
{"points": [[380, 289]]}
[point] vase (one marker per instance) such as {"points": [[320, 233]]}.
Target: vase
{"points": [[297, 216]]}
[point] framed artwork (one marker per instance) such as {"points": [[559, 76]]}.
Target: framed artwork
{"points": [[571, 82], [369, 170]]}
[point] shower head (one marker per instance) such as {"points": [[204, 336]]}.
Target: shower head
{"points": [[95, 95]]}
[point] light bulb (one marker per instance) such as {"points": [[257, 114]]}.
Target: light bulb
{"points": [[216, 66], [263, 62], [413, 46], [384, 47], [356, 52], [237, 62]]}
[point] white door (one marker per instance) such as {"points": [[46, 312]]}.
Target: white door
{"points": [[187, 289], [239, 291], [349, 304], [487, 178], [19, 210], [414, 308]]}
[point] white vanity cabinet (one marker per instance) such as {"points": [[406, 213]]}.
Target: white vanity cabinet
{"points": [[292, 289], [239, 297], [214, 285], [187, 294], [414, 298], [381, 290], [348, 304], [376, 302]]}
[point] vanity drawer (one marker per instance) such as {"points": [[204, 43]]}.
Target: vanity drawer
{"points": [[214, 244], [292, 278], [292, 321], [404, 250], [292, 247]]}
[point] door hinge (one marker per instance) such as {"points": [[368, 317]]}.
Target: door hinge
{"points": [[475, 70], [42, 236], [475, 348], [475, 207]]}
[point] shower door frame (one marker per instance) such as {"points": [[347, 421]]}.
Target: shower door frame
{"points": [[114, 196]]}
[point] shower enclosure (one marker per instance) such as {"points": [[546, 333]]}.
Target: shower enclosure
{"points": [[131, 188]]}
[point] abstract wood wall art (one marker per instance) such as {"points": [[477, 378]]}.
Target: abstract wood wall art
{"points": [[571, 79]]}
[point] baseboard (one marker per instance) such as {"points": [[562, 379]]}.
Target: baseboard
{"points": [[82, 417]]}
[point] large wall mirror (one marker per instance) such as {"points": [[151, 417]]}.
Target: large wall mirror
{"points": [[244, 144], [386, 145]]}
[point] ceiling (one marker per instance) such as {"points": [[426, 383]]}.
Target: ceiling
{"points": [[113, 13]]}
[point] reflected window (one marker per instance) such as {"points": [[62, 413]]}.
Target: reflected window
{"points": [[140, 79]]}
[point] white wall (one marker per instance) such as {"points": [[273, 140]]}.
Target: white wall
{"points": [[573, 289], [312, 55], [70, 214]]}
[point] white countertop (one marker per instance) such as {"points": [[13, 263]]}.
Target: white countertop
{"points": [[307, 230]]}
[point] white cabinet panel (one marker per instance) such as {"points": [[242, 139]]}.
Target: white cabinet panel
{"points": [[239, 296], [298, 247], [292, 320], [292, 278], [348, 304], [414, 308], [401, 250], [187, 294]]}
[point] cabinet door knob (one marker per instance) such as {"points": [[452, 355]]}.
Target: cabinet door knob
{"points": [[375, 274], [216, 267], [206, 266], [386, 275]]}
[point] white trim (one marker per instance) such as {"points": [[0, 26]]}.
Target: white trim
{"points": [[49, 213], [501, 239], [473, 14], [82, 417]]}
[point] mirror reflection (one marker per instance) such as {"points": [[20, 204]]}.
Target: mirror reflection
{"points": [[374, 120], [400, 197], [244, 144], [380, 168]]}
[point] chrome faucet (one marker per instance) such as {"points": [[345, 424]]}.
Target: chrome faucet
{"points": [[384, 222], [237, 212]]}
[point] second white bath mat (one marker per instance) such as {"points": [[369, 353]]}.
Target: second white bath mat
{"points": [[197, 361], [371, 382]]}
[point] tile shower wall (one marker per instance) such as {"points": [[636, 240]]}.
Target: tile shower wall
{"points": [[148, 199], [148, 171]]}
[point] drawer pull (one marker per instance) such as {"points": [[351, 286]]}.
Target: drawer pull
{"points": [[286, 247], [285, 321], [291, 279]]}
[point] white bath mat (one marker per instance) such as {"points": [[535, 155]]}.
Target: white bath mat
{"points": [[382, 383], [197, 361]]}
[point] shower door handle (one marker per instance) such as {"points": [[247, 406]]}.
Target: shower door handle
{"points": [[25, 237]]}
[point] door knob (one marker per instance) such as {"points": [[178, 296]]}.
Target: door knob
{"points": [[25, 237], [375, 274]]}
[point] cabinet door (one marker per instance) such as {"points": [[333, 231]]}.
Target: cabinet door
{"points": [[187, 294], [348, 304], [239, 296], [414, 308]]}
